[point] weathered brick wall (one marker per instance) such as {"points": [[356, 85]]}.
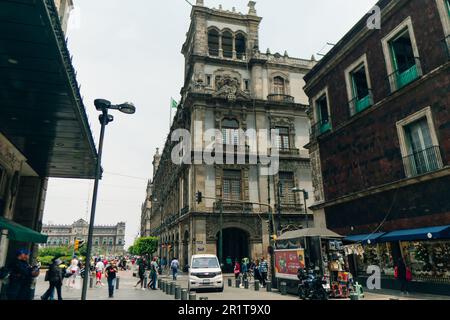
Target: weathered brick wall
{"points": [[366, 153], [423, 204]]}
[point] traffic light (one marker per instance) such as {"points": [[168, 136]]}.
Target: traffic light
{"points": [[199, 197], [306, 195], [78, 244]]}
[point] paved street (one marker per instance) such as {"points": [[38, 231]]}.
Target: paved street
{"points": [[128, 292]]}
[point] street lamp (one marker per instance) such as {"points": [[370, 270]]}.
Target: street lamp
{"points": [[104, 106], [305, 197]]}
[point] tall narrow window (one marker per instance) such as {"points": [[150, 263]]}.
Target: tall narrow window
{"points": [[283, 138], [241, 46], [213, 42], [230, 132], [402, 55], [422, 156], [361, 95], [279, 86], [247, 85], [232, 184], [323, 116], [286, 185], [227, 44]]}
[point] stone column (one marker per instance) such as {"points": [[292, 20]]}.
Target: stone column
{"points": [[234, 47]]}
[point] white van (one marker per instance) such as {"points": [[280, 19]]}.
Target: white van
{"points": [[205, 273]]}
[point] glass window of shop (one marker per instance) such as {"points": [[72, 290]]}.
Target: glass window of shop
{"points": [[376, 255], [428, 260]]}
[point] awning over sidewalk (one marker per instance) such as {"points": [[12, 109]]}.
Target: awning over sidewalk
{"points": [[440, 232], [18, 232], [41, 111], [364, 238], [309, 232]]}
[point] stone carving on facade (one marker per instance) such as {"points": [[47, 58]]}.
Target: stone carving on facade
{"points": [[250, 225], [229, 86]]}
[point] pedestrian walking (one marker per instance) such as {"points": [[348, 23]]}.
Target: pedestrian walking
{"points": [[99, 267], [244, 269], [74, 271], [263, 269], [142, 267], [237, 269], [174, 265], [403, 274], [111, 272], [256, 271], [21, 277], [153, 274], [55, 278]]}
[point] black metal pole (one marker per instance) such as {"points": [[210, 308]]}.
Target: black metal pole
{"points": [[104, 121], [221, 234], [279, 206], [306, 209]]}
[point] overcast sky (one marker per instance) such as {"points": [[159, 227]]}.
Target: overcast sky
{"points": [[130, 51]]}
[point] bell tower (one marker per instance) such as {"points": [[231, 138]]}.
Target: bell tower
{"points": [[218, 36]]}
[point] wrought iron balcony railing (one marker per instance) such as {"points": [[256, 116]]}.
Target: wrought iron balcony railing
{"points": [[319, 128], [446, 46], [401, 78], [280, 98], [357, 105], [422, 162]]}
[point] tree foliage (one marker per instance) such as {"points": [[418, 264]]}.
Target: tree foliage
{"points": [[145, 246]]}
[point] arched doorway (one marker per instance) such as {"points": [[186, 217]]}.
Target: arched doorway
{"points": [[235, 246]]}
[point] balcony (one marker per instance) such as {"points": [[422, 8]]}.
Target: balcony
{"points": [[399, 79], [357, 105], [446, 46], [292, 207], [422, 162], [319, 128], [229, 205], [280, 98]]}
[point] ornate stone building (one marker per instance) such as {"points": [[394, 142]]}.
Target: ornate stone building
{"points": [[231, 86], [107, 240]]}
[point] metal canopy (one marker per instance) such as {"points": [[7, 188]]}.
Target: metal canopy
{"points": [[41, 110], [309, 232]]}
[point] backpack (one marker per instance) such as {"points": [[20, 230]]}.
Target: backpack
{"points": [[408, 274], [47, 276]]}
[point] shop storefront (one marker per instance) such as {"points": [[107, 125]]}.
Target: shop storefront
{"points": [[426, 251], [318, 249]]}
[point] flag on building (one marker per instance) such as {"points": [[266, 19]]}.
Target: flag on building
{"points": [[173, 103]]}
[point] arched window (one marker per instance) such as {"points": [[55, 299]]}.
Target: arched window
{"points": [[230, 132], [213, 42], [227, 44], [279, 85], [240, 46]]}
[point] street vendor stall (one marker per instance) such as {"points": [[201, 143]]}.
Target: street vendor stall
{"points": [[318, 249]]}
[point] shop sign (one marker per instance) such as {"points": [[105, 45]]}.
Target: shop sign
{"points": [[287, 263]]}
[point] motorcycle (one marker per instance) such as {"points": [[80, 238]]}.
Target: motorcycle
{"points": [[311, 287]]}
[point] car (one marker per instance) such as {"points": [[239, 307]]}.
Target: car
{"points": [[205, 273]]}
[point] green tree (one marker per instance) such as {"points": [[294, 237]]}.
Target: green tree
{"points": [[146, 246]]}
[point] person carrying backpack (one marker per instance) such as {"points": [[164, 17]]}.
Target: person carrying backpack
{"points": [[55, 278]]}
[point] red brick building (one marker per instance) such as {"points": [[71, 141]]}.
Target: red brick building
{"points": [[380, 139]]}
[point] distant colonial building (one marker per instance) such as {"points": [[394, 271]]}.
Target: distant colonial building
{"points": [[106, 240], [231, 86]]}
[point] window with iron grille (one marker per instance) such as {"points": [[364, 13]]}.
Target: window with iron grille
{"points": [[287, 184], [232, 185], [230, 132], [283, 138]]}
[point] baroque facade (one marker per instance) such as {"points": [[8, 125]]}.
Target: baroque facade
{"points": [[232, 87], [107, 240], [380, 141]]}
